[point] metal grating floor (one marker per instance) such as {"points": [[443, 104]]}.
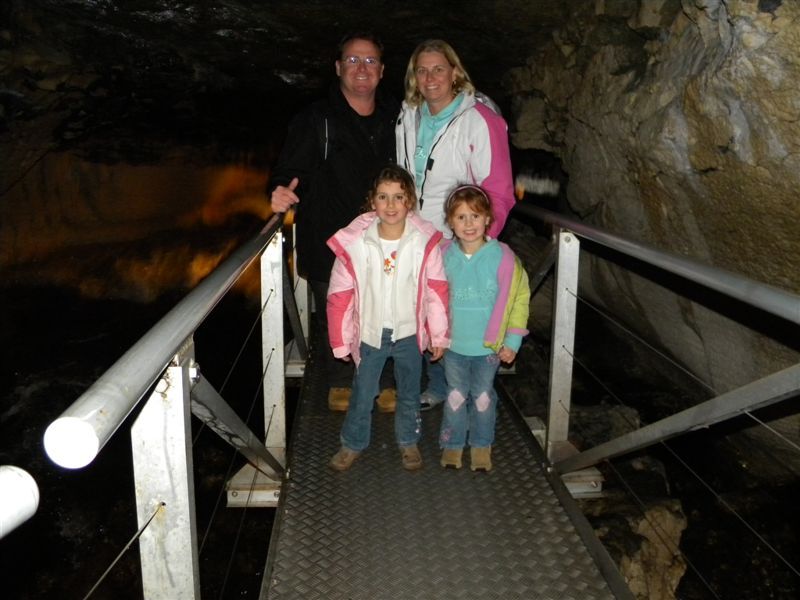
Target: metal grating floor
{"points": [[379, 532]]}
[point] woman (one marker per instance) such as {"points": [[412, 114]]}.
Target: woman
{"points": [[449, 135]]}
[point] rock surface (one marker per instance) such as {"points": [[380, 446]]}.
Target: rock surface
{"points": [[677, 123]]}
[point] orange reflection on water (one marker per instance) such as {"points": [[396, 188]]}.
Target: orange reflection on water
{"points": [[231, 190], [131, 231]]}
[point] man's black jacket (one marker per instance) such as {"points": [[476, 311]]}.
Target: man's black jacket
{"points": [[332, 189]]}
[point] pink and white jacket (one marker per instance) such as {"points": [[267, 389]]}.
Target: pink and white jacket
{"points": [[471, 148], [420, 296]]}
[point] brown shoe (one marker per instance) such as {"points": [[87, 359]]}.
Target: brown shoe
{"points": [[451, 458], [343, 459], [387, 401], [412, 460], [339, 398], [480, 459]]}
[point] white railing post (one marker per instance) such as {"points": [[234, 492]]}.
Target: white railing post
{"points": [[272, 347], [563, 338], [300, 289], [164, 481], [251, 487]]}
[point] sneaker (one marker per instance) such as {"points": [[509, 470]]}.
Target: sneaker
{"points": [[427, 401], [412, 460], [387, 401], [343, 459], [339, 398], [451, 458], [480, 459]]}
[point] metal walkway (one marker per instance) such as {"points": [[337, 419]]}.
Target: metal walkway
{"points": [[377, 531]]}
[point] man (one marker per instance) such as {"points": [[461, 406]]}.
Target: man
{"points": [[333, 150]]}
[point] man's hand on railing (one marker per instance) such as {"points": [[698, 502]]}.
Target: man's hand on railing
{"points": [[283, 197]]}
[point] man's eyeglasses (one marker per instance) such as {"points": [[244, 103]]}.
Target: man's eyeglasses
{"points": [[354, 61]]}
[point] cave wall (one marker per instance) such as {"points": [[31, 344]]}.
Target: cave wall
{"points": [[678, 123]]}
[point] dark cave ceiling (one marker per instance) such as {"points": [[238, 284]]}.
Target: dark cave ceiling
{"points": [[112, 68]]}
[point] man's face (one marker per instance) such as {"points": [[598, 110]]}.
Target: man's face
{"points": [[359, 68]]}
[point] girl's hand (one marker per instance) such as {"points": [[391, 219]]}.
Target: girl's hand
{"points": [[346, 358], [507, 355], [436, 353]]}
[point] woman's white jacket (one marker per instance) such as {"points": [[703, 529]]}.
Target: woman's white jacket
{"points": [[471, 149]]}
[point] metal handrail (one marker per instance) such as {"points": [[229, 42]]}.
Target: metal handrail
{"points": [[75, 438], [566, 244], [564, 459], [769, 298]]}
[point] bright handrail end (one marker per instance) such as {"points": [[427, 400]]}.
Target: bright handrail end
{"points": [[19, 497], [71, 443]]}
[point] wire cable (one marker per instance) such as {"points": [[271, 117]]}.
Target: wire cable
{"points": [[744, 522], [774, 431], [135, 537], [238, 535], [235, 362], [635, 426], [231, 463], [716, 495], [681, 368], [643, 342], [235, 545], [659, 531]]}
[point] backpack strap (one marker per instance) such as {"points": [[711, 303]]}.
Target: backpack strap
{"points": [[485, 100]]}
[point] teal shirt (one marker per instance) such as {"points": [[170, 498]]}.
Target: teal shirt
{"points": [[473, 293], [429, 127]]}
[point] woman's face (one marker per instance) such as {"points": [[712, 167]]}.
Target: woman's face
{"points": [[435, 77]]}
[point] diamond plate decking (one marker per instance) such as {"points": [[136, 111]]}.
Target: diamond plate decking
{"points": [[378, 532]]}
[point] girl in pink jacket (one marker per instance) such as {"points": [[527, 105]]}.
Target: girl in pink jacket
{"points": [[387, 298]]}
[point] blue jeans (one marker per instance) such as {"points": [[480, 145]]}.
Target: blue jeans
{"points": [[338, 373], [437, 384], [471, 405], [407, 372]]}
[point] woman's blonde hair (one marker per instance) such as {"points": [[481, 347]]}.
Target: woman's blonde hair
{"points": [[462, 81]]}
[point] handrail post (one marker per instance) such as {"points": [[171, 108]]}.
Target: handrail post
{"points": [[272, 347], [164, 485], [300, 289], [563, 339]]}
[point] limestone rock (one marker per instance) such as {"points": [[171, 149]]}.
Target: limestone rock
{"points": [[678, 126], [654, 571]]}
